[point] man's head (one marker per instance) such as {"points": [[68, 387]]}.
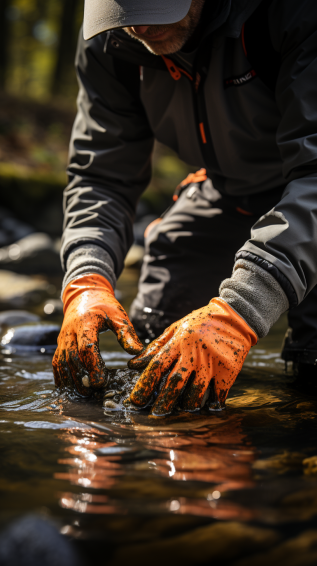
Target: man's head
{"points": [[169, 38], [163, 26]]}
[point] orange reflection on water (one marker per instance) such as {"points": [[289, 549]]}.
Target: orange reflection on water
{"points": [[216, 454]]}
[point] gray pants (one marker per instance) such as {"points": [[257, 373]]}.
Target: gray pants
{"points": [[191, 251]]}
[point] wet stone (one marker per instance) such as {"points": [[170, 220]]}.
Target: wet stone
{"points": [[40, 338], [15, 318], [120, 384], [33, 254], [22, 291], [12, 229]]}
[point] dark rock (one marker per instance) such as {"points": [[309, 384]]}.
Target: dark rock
{"points": [[33, 337], [34, 541], [15, 318], [12, 229], [21, 291], [34, 254]]}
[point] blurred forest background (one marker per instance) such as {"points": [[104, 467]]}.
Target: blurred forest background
{"points": [[38, 90]]}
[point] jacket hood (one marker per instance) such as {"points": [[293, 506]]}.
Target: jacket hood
{"points": [[240, 11]]}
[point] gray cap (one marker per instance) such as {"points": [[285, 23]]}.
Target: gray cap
{"points": [[102, 15]]}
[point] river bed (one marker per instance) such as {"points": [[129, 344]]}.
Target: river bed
{"points": [[238, 487]]}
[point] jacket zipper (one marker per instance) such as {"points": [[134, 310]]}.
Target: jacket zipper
{"points": [[200, 110]]}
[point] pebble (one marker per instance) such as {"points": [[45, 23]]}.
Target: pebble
{"points": [[120, 384], [85, 381], [112, 394], [110, 405]]}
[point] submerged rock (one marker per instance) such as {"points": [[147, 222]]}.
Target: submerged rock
{"points": [[35, 540], [33, 338]]}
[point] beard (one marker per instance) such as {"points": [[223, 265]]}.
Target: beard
{"points": [[178, 33]]}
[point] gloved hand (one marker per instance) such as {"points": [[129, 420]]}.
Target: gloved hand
{"points": [[208, 345], [89, 307]]}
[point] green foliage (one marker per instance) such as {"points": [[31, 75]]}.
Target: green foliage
{"points": [[34, 29], [33, 195], [38, 106], [31, 183]]}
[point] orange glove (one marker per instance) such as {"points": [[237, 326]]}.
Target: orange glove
{"points": [[89, 307], [210, 344]]}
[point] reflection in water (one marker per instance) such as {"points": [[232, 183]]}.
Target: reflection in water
{"points": [[212, 453], [235, 488]]}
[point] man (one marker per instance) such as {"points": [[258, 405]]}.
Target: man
{"points": [[230, 85]]}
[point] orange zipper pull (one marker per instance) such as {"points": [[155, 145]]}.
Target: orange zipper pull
{"points": [[172, 68]]}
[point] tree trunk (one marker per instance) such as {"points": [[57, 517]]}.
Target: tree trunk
{"points": [[66, 45], [4, 39]]}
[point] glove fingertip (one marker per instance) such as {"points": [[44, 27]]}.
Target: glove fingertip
{"points": [[97, 381], [158, 414], [133, 350], [139, 398], [138, 364], [135, 400]]}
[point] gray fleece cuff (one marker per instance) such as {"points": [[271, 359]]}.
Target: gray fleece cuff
{"points": [[86, 259], [255, 295]]}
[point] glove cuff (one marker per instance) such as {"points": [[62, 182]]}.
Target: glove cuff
{"points": [[88, 259], [255, 295], [89, 282]]}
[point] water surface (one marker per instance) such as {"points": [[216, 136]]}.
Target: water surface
{"points": [[237, 488]]}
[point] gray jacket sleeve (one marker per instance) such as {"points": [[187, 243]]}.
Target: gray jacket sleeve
{"points": [[110, 157], [86, 259], [284, 241], [255, 295]]}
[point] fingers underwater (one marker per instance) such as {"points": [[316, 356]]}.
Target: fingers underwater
{"points": [[175, 383], [147, 384], [57, 377], [78, 372], [195, 392], [90, 357]]}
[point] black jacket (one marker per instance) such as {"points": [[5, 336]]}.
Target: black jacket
{"points": [[258, 143]]}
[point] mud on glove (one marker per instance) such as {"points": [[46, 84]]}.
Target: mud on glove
{"points": [[89, 307], [205, 348]]}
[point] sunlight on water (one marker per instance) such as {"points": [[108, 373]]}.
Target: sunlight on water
{"points": [[235, 486]]}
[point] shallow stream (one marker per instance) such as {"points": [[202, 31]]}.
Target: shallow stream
{"points": [[239, 487]]}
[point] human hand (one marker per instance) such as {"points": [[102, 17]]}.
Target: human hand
{"points": [[206, 347], [89, 308]]}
